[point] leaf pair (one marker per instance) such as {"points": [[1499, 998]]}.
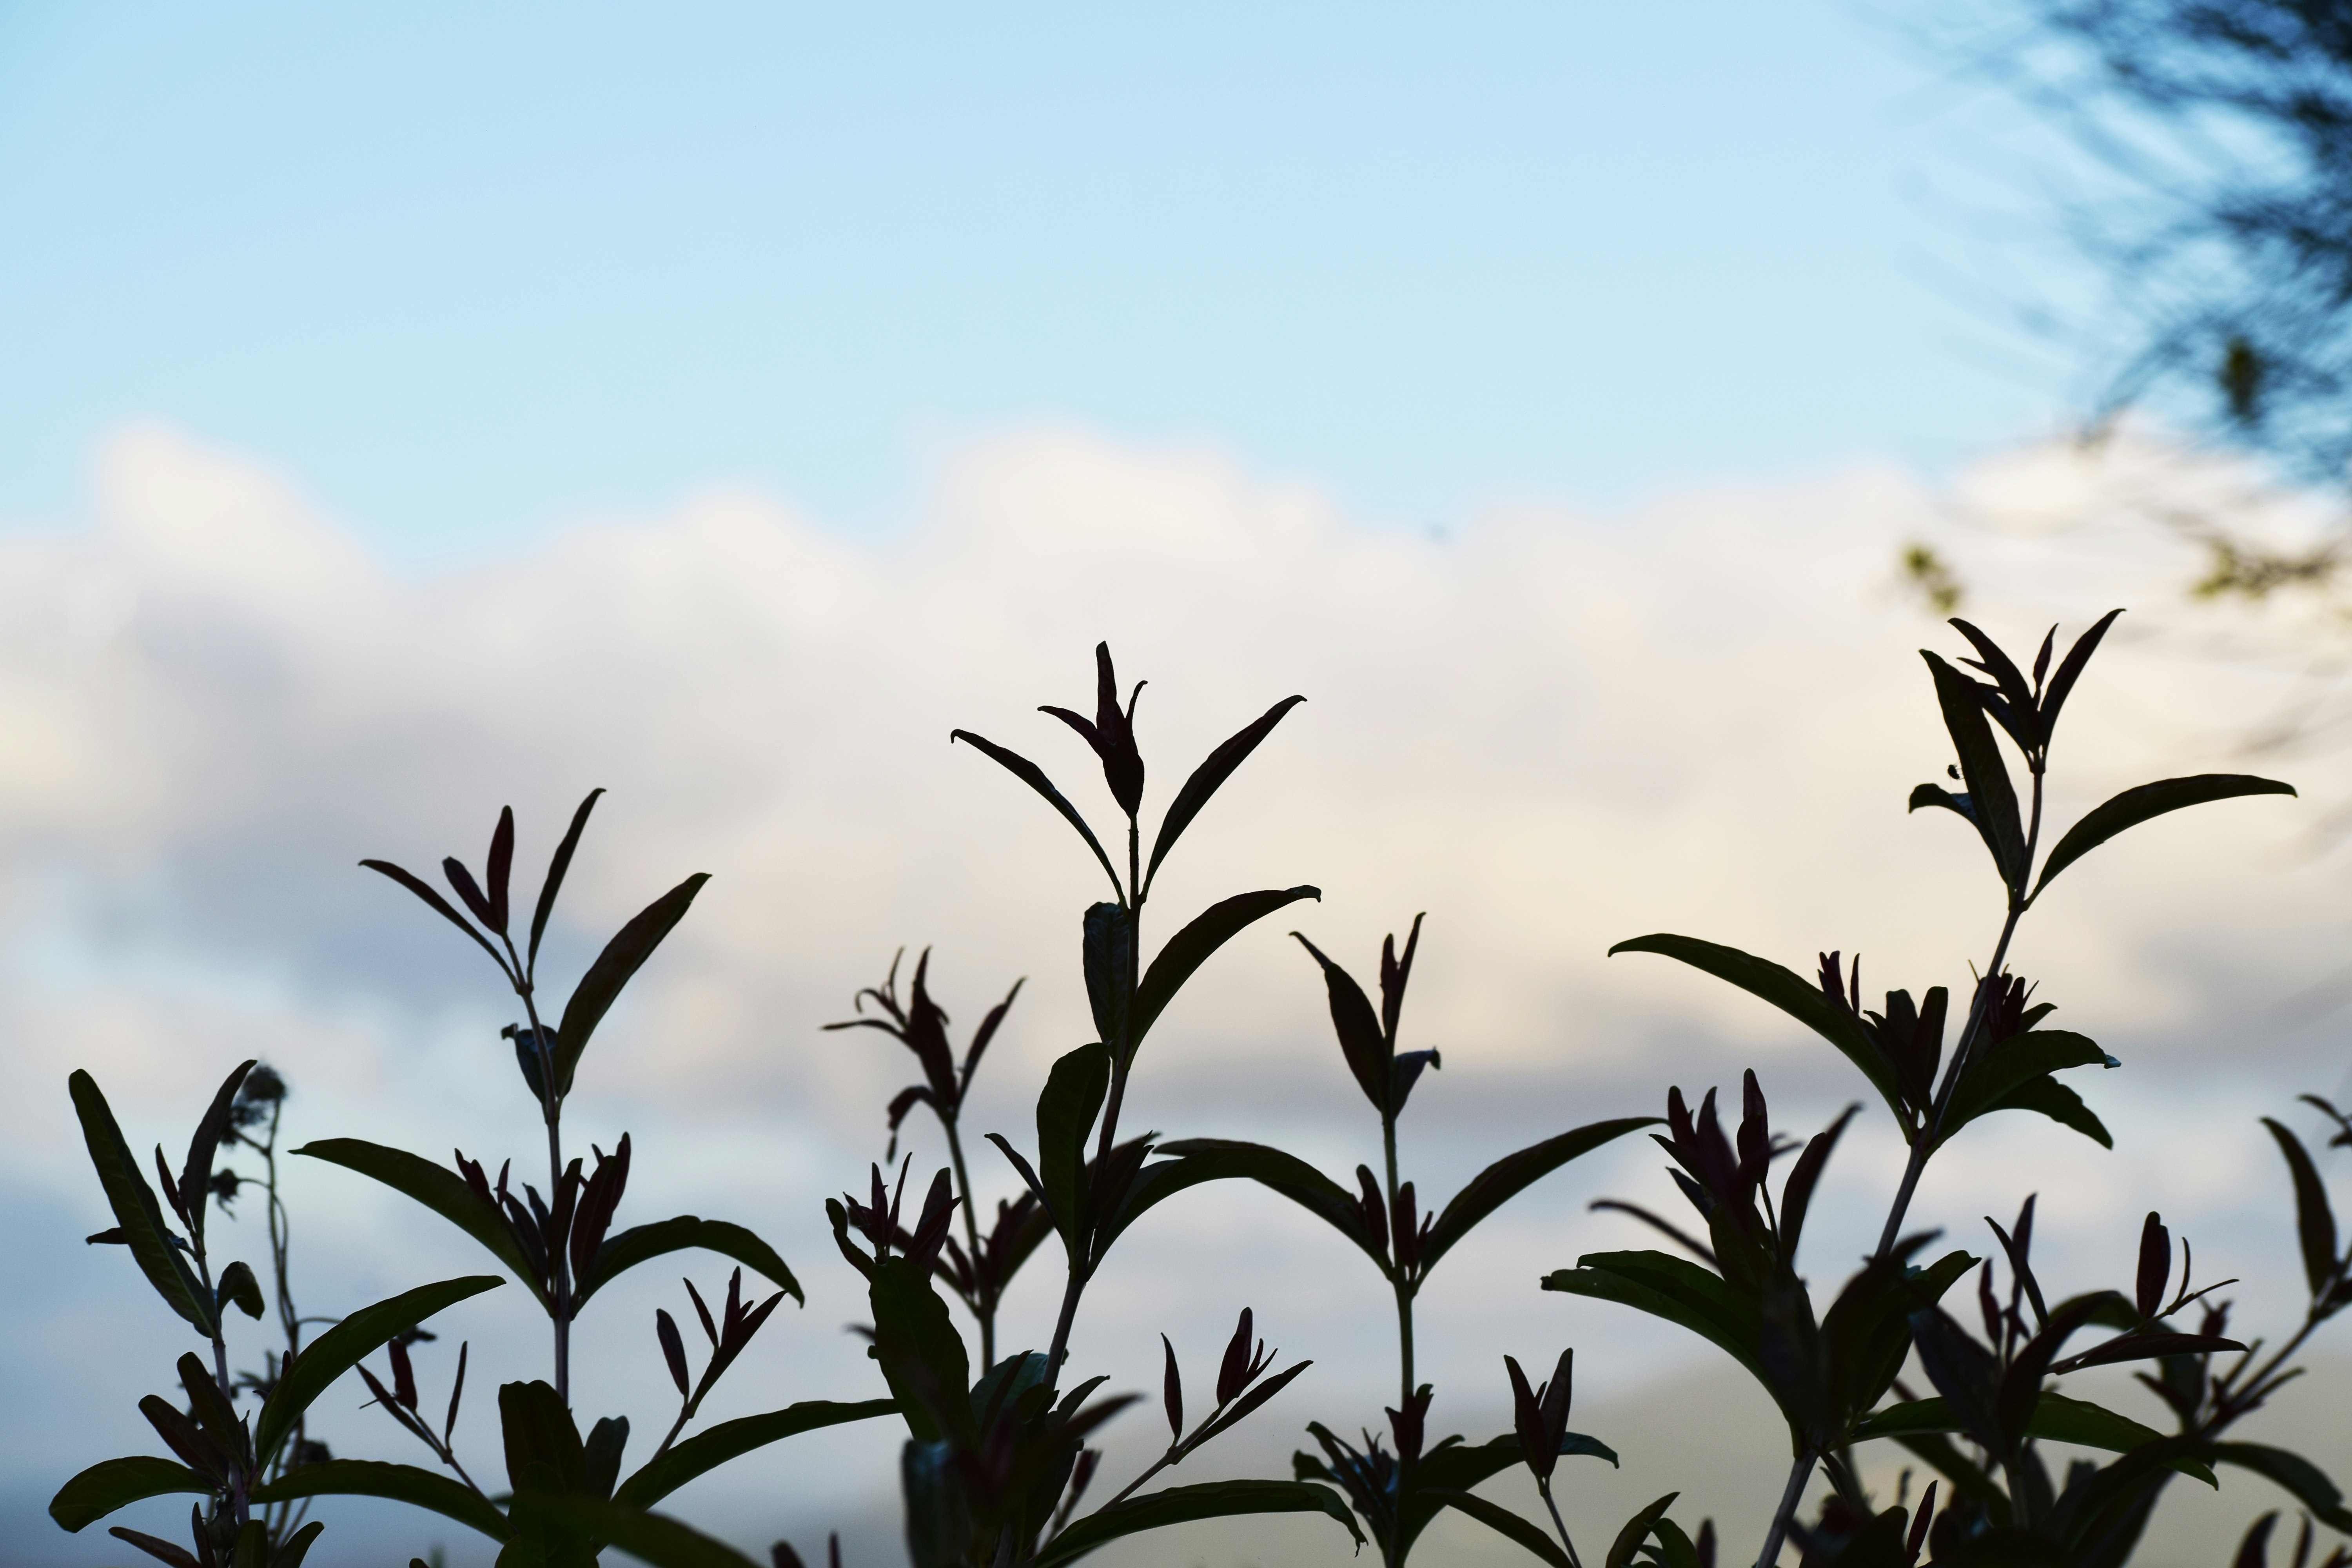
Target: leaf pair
{"points": [[161, 1254], [1111, 734], [615, 966], [1369, 1041], [921, 1025]]}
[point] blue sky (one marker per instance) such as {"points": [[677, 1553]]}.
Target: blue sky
{"points": [[465, 272]]}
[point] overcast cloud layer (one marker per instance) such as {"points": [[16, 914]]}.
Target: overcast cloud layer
{"points": [[1551, 730]]}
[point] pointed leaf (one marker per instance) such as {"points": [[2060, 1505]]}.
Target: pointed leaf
{"points": [[2056, 1101], [1109, 950], [1361, 1042], [2298, 1475], [1512, 1174], [2056, 1419], [1181, 1505], [498, 869], [2315, 1221], [1961, 805], [342, 1347], [1991, 798], [2070, 669], [2142, 802], [1213, 771], [112, 1484], [1497, 1518], [422, 1488], [1190, 947], [1198, 1159], [1032, 775], [136, 1208], [556, 868], [657, 1478], [615, 967], [922, 1356], [196, 1174], [1675, 1289], [1066, 1109], [1637, 1530], [439, 1189], [1799, 998], [1991, 1075], [440, 906], [625, 1251], [2015, 693]]}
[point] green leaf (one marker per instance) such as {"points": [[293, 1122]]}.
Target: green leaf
{"points": [[2298, 1475], [2000, 1071], [196, 1173], [648, 1537], [615, 967], [1030, 773], [427, 1490], [1959, 806], [112, 1484], [343, 1347], [1181, 1505], [1512, 1174], [1674, 1288], [2070, 669], [238, 1285], [1799, 998], [1495, 1517], [1993, 800], [136, 1208], [1190, 947], [922, 1356], [618, 1254], [1066, 1109], [2315, 1221], [1198, 1159], [298, 1545], [1637, 1530], [2056, 1419], [437, 1188], [1368, 1049], [1108, 953], [1213, 771], [663, 1475], [556, 868], [2056, 1101], [2140, 803]]}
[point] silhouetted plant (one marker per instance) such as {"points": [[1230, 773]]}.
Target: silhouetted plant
{"points": [[999, 1461]]}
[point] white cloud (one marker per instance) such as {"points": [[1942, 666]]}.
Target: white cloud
{"points": [[1551, 729]]}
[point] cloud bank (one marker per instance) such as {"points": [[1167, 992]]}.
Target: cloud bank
{"points": [[1551, 729]]}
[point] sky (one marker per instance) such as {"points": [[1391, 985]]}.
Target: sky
{"points": [[472, 271], [410, 419]]}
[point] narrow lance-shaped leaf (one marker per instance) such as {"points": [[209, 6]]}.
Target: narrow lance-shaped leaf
{"points": [[634, 1246], [1182, 1505], [342, 1347], [196, 1172], [441, 906], [117, 1483], [650, 1538], [1213, 771], [1992, 796], [730, 1439], [1990, 1077], [1072, 1096], [1197, 1160], [1514, 1174], [137, 1210], [1781, 987], [614, 968], [437, 1188], [2143, 802], [2070, 671], [1032, 775], [400, 1483], [1497, 1518], [556, 868], [2315, 1221], [1189, 948]]}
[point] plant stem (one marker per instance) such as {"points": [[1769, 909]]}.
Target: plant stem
{"points": [[558, 1252], [1403, 1289], [1082, 1269], [1923, 1144], [1799, 1474], [985, 1303], [1544, 1486]]}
